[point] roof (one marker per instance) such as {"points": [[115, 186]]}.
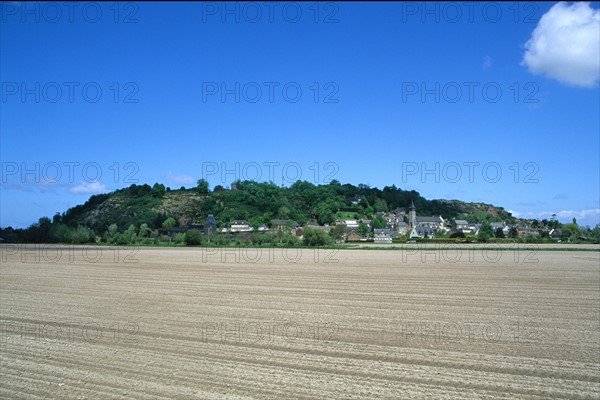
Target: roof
{"points": [[211, 219], [429, 219], [319, 227], [240, 222], [384, 232], [424, 229], [412, 205], [461, 222]]}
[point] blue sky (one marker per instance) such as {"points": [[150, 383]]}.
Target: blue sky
{"points": [[438, 98]]}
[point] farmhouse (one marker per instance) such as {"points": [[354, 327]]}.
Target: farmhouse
{"points": [[350, 224], [555, 234], [240, 226], [422, 232], [353, 236], [460, 225], [383, 236], [468, 228], [393, 219], [283, 224], [435, 222], [501, 225]]}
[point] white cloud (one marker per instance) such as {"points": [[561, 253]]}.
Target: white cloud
{"points": [[565, 45], [9, 185], [487, 62], [89, 188], [30, 185], [181, 179]]}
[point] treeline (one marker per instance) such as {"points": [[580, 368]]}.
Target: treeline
{"points": [[144, 213], [46, 232]]}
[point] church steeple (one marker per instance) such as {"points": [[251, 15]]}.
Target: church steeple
{"points": [[412, 215]]}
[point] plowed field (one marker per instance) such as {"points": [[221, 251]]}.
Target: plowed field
{"points": [[83, 323]]}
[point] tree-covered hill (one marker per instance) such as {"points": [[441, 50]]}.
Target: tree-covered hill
{"points": [[259, 203]]}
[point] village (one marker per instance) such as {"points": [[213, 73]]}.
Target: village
{"points": [[398, 224]]}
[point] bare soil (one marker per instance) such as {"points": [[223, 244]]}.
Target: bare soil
{"points": [[86, 322]]}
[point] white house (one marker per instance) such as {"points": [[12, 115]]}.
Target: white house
{"points": [[421, 232], [501, 225], [350, 224], [461, 224], [240, 226], [435, 222], [383, 236]]}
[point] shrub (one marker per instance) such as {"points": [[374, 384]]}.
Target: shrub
{"points": [[315, 237], [457, 234], [193, 237], [82, 235], [179, 238]]}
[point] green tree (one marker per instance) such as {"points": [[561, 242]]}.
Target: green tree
{"points": [[338, 232], [202, 186], [129, 235], [193, 237], [570, 232], [60, 233], [379, 222], [594, 234], [363, 229], [44, 226], [381, 205], [283, 212], [499, 233], [314, 237], [112, 232], [179, 238], [158, 190], [169, 223], [290, 240], [82, 235], [324, 214], [513, 233], [144, 231], [485, 232]]}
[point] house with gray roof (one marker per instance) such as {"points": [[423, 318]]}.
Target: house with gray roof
{"points": [[383, 236], [422, 232]]}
